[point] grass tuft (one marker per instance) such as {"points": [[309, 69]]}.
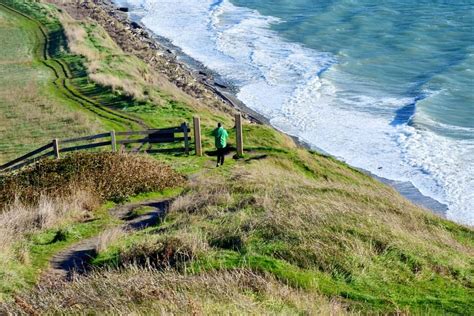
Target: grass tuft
{"points": [[148, 291]]}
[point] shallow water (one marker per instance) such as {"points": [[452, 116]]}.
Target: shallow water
{"points": [[384, 86]]}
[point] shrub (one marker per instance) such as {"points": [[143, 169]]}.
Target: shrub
{"points": [[110, 176]]}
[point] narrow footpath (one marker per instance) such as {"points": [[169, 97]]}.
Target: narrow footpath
{"points": [[76, 258]]}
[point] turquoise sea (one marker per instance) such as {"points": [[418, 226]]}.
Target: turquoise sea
{"points": [[386, 86]]}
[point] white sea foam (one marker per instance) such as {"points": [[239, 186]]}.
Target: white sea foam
{"points": [[283, 81]]}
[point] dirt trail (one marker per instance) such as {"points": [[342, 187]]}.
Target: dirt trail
{"points": [[76, 258]]}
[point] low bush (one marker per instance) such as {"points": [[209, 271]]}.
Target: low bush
{"points": [[110, 176]]}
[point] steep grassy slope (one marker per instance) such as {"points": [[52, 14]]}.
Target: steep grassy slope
{"points": [[315, 225], [284, 230], [45, 90], [289, 232], [31, 111], [56, 203]]}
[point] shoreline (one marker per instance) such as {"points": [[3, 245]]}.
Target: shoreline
{"points": [[209, 78], [209, 81]]}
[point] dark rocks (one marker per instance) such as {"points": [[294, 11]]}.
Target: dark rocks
{"points": [[217, 84], [133, 38], [135, 25]]}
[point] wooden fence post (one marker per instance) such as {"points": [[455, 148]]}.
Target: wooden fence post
{"points": [[56, 148], [197, 135], [239, 135], [113, 141], [186, 138]]}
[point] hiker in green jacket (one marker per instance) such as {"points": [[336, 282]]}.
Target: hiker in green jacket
{"points": [[221, 136]]}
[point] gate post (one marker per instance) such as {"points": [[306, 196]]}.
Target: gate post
{"points": [[113, 141], [56, 148], [186, 138], [197, 135], [239, 135]]}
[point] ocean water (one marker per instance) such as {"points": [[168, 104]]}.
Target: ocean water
{"points": [[386, 86]]}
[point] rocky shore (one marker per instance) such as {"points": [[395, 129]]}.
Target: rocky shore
{"points": [[134, 38]]}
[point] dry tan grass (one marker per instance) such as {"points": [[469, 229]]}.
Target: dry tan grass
{"points": [[129, 87], [203, 193], [79, 42], [29, 119], [55, 194], [76, 37], [325, 224], [144, 291], [108, 237], [19, 219], [122, 72], [162, 251]]}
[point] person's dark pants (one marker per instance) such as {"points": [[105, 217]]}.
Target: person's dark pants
{"points": [[220, 156]]}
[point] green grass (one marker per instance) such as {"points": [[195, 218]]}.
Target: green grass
{"points": [[60, 100], [167, 193], [313, 224], [421, 297], [37, 248], [31, 112], [307, 221], [96, 107]]}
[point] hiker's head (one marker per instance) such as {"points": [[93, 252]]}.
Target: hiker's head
{"points": [[219, 125]]}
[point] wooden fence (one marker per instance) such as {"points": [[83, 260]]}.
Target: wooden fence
{"points": [[114, 139]]}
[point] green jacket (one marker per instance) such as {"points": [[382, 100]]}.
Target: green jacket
{"points": [[221, 136]]}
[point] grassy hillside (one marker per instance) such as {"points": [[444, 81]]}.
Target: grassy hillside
{"points": [[314, 225], [283, 230], [55, 203], [32, 112], [45, 89]]}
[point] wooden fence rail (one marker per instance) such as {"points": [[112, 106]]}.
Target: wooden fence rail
{"points": [[150, 136], [84, 138], [56, 147]]}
